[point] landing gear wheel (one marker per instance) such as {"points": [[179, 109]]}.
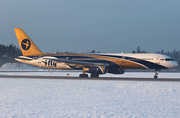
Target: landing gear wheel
{"points": [[155, 77], [83, 75], [95, 75]]}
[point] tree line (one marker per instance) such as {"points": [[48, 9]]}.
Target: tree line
{"points": [[11, 51]]}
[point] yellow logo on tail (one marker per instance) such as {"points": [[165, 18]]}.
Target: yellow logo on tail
{"points": [[26, 44]]}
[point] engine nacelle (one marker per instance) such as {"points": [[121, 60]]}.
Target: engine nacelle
{"points": [[101, 69], [96, 70], [116, 70]]}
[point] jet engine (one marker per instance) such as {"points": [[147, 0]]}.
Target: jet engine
{"points": [[116, 70]]}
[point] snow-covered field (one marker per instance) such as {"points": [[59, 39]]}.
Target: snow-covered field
{"points": [[88, 98], [49, 98]]}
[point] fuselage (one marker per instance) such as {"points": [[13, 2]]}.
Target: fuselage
{"points": [[123, 61]]}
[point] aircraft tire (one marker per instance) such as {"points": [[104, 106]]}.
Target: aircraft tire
{"points": [[95, 75], [83, 75], [155, 77]]}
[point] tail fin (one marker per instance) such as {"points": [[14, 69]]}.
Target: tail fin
{"points": [[26, 44]]}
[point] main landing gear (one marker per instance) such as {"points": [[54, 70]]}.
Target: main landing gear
{"points": [[86, 75], [156, 73], [83, 75], [92, 75]]}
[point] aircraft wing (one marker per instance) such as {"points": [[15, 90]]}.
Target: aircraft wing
{"points": [[83, 63]]}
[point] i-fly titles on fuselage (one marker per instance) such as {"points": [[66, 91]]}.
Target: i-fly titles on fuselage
{"points": [[96, 63]]}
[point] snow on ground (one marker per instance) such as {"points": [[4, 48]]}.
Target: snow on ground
{"points": [[44, 98]]}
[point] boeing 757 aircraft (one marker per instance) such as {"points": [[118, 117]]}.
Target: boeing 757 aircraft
{"points": [[96, 63]]}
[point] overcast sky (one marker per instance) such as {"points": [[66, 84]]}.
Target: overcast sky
{"points": [[84, 25]]}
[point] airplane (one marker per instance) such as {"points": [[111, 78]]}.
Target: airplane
{"points": [[94, 63]]}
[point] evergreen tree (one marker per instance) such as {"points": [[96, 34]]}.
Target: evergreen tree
{"points": [[10, 51], [162, 51], [138, 49]]}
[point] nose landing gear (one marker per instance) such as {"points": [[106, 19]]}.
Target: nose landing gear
{"points": [[156, 73]]}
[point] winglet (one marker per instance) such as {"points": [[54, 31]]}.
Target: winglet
{"points": [[26, 44]]}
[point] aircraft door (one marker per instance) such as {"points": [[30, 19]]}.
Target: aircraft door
{"points": [[158, 60], [123, 60]]}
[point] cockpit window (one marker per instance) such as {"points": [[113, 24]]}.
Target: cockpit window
{"points": [[169, 59]]}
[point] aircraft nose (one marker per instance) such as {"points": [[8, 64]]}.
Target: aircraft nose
{"points": [[175, 64], [172, 64]]}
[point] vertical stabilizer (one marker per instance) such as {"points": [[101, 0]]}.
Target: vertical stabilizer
{"points": [[26, 44]]}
